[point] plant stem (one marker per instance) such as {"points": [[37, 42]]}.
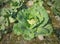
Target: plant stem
{"points": [[8, 21]]}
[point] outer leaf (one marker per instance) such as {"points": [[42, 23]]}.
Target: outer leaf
{"points": [[28, 36]]}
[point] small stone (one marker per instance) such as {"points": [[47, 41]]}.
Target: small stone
{"points": [[57, 18], [48, 11], [41, 37], [29, 3]]}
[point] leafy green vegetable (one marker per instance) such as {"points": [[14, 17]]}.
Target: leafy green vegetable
{"points": [[56, 7], [34, 21]]}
